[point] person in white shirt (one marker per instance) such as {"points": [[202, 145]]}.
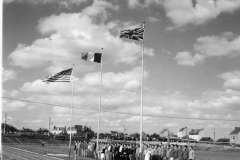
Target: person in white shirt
{"points": [[191, 153], [148, 154]]}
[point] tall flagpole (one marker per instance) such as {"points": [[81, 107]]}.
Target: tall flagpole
{"points": [[72, 78], [141, 118], [100, 95]]}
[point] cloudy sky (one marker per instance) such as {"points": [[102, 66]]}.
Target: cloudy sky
{"points": [[192, 69]]}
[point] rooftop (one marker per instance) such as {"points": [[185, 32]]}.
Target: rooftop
{"points": [[182, 129], [236, 130], [195, 131]]}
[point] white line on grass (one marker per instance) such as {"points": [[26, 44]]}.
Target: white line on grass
{"points": [[33, 152], [23, 154], [19, 156], [18, 141]]}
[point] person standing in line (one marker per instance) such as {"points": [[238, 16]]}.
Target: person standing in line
{"points": [[137, 154], [185, 153], [164, 152], [168, 152], [113, 150], [171, 152], [148, 153], [130, 152], [180, 153], [161, 152], [75, 150], [175, 152], [103, 152], [110, 149], [191, 153], [158, 152], [133, 146], [116, 152], [80, 149]]}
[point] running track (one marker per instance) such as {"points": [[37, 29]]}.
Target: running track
{"points": [[19, 154]]}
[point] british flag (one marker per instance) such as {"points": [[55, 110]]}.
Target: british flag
{"points": [[135, 34]]}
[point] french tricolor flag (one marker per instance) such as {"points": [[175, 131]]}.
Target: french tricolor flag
{"points": [[93, 57]]}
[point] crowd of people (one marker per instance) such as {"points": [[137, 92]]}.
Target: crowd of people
{"points": [[121, 151]]}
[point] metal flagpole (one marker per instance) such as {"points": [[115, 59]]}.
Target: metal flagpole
{"points": [[141, 120], [70, 139], [100, 95]]}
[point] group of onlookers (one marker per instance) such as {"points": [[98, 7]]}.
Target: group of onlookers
{"points": [[121, 151]]}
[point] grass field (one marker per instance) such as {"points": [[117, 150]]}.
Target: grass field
{"points": [[201, 153]]}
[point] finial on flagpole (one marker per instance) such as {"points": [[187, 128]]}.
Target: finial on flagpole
{"points": [[143, 24]]}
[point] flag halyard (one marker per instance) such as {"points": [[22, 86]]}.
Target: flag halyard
{"points": [[134, 34], [63, 76]]}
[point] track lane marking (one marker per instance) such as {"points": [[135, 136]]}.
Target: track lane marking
{"points": [[33, 153], [24, 154]]}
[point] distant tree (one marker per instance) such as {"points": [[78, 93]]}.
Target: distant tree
{"points": [[154, 135], [9, 128], [135, 135], [27, 130], [42, 130]]}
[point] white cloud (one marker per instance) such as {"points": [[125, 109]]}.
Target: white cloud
{"points": [[13, 105], [125, 81], [80, 33], [146, 3], [33, 121], [14, 93], [232, 79], [229, 116], [187, 59], [152, 19], [183, 12], [210, 116], [224, 45], [62, 3], [210, 46], [170, 124], [8, 75]]}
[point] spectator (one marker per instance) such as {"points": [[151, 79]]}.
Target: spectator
{"points": [[75, 150], [185, 153], [191, 153]]}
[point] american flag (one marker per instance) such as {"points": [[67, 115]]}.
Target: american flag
{"points": [[64, 76], [135, 34]]}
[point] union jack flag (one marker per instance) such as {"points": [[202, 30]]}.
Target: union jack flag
{"points": [[63, 76], [135, 34]]}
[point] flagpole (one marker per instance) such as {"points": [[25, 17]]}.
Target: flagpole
{"points": [[100, 95], [70, 139], [141, 120]]}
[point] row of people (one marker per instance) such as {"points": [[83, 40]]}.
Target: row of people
{"points": [[117, 151]]}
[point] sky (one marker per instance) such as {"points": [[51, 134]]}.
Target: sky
{"points": [[191, 64]]}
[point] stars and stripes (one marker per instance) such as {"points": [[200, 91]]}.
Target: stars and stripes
{"points": [[63, 76], [135, 34]]}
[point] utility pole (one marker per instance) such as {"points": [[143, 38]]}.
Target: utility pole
{"points": [[168, 135], [49, 126], [5, 123], [124, 130], [214, 136]]}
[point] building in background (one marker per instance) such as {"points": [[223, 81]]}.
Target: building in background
{"points": [[183, 132], [58, 130], [166, 133], [80, 131], [206, 139], [235, 136], [197, 134]]}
